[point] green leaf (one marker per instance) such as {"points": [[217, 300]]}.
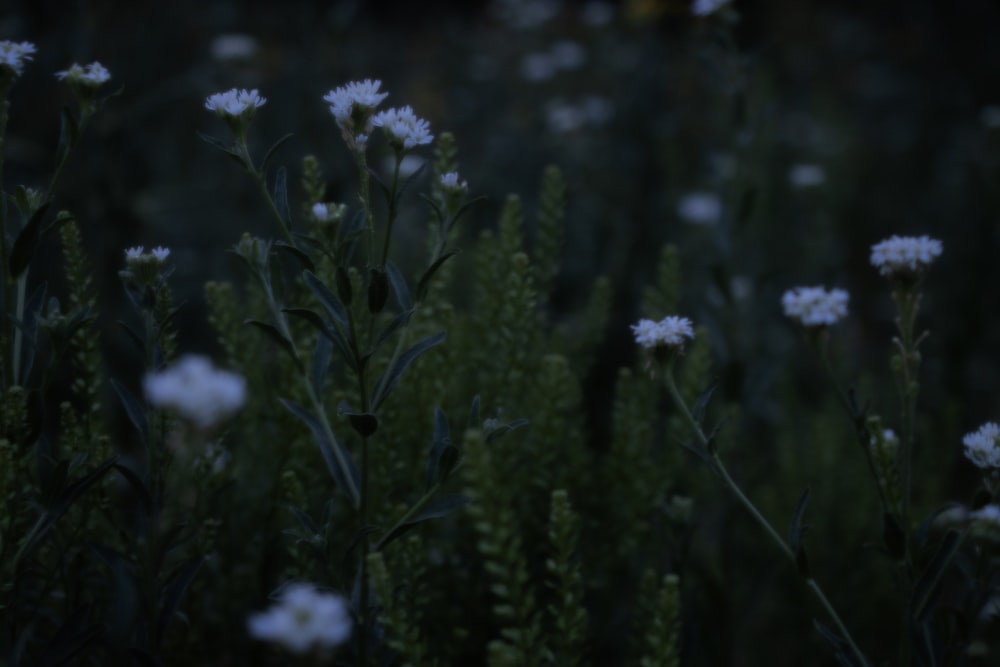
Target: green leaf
{"points": [[399, 287], [174, 592], [32, 313], [225, 148], [26, 242], [698, 411], [138, 485], [69, 130], [363, 423], [387, 381], [438, 507], [271, 151], [297, 253], [61, 504], [797, 532], [275, 335], [279, 194], [927, 585], [338, 460], [443, 454], [841, 649], [321, 362], [326, 298], [425, 280], [304, 520], [395, 325], [133, 409], [503, 430]]}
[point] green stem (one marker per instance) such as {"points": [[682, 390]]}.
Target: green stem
{"points": [[272, 208], [392, 208], [720, 469], [410, 513], [364, 179]]}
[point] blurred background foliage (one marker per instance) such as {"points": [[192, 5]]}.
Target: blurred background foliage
{"points": [[773, 151]]}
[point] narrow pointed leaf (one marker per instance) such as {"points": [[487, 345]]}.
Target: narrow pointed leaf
{"points": [[503, 430], [133, 409], [174, 593], [438, 507], [841, 649], [399, 286], [797, 531], [138, 485], [275, 335], [271, 151], [225, 148], [698, 411], [304, 520], [387, 381], [474, 421], [930, 578], [395, 325], [345, 290], [280, 196], [338, 460], [425, 280], [443, 454], [321, 363], [26, 242], [69, 130], [326, 298], [299, 254]]}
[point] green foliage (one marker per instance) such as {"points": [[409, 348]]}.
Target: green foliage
{"points": [[661, 605], [567, 611]]}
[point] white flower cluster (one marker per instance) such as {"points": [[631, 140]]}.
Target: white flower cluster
{"points": [[668, 332], [352, 106], [197, 391], [403, 128], [814, 306], [453, 182], [15, 54], [904, 254], [983, 446], [137, 253], [304, 620], [235, 103], [700, 208], [91, 76]]}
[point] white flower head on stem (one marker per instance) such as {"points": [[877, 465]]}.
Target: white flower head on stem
{"points": [[452, 182], [235, 103], [324, 212], [93, 75], [983, 446], [815, 306], [14, 55], [134, 252], [669, 333], [304, 620], [352, 106], [905, 255], [197, 391], [160, 253], [404, 130]]}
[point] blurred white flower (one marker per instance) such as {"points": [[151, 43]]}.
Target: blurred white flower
{"points": [[904, 254], [197, 391], [814, 306], [328, 212], [987, 514], [983, 446], [566, 54], [537, 67], [235, 103], [700, 208], [596, 14], [233, 47], [668, 332], [134, 252], [806, 175], [562, 117], [403, 127], [92, 75], [304, 620], [706, 7], [599, 110], [452, 181], [990, 117], [160, 253], [15, 54]]}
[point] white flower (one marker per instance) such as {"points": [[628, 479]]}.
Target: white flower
{"points": [[814, 306], [403, 127], [983, 446], [904, 254], [304, 620], [452, 181], [91, 76], [134, 252], [806, 175], [160, 253], [562, 117], [197, 391], [361, 95], [987, 514], [706, 7], [668, 332], [700, 208], [324, 212], [235, 103], [15, 54]]}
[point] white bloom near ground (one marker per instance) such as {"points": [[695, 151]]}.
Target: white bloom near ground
{"points": [[815, 306], [304, 620], [198, 392]]}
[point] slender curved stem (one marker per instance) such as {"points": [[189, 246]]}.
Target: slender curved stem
{"points": [[720, 469]]}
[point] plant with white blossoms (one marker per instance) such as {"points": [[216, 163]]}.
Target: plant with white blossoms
{"points": [[668, 333], [93, 75], [198, 392], [305, 620], [982, 447], [453, 182], [235, 103], [403, 128], [904, 255], [815, 306], [13, 56], [352, 105]]}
